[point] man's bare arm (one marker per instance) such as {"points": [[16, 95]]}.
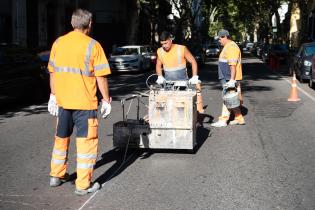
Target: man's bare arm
{"points": [[52, 83], [158, 67], [103, 87]]}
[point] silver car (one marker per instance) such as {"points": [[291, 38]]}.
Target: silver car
{"points": [[130, 58]]}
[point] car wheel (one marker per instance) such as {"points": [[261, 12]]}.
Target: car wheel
{"points": [[140, 67], [311, 83], [301, 78]]}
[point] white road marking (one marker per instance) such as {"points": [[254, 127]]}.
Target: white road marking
{"points": [[93, 195]]}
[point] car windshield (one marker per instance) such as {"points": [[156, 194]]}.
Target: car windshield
{"points": [[280, 47], [310, 50], [213, 46], [125, 51]]}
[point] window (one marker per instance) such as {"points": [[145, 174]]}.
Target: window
{"points": [[309, 50]]}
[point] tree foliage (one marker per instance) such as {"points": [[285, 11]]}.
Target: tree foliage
{"points": [[240, 17]]}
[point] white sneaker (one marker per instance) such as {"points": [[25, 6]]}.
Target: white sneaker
{"points": [[219, 124]]}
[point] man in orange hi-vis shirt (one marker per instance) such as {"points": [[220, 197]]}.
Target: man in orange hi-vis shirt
{"points": [[77, 66], [230, 75]]}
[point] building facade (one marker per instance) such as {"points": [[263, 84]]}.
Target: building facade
{"points": [[37, 23]]}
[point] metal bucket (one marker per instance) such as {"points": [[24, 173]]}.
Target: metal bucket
{"points": [[231, 99]]}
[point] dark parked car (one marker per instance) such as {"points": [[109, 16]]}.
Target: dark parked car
{"points": [[265, 52], [278, 51], [312, 74], [302, 61], [213, 50], [198, 52], [20, 75]]}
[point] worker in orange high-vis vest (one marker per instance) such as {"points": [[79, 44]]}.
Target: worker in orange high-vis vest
{"points": [[77, 66], [230, 75], [172, 59]]}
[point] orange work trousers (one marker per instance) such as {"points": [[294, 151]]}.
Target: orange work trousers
{"points": [[86, 124]]}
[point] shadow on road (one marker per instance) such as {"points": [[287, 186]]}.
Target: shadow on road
{"points": [[124, 84]]}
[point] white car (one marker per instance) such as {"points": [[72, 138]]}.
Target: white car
{"points": [[130, 58]]}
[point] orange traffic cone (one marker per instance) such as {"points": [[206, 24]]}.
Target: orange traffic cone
{"points": [[199, 99], [294, 93]]}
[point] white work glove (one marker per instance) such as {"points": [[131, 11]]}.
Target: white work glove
{"points": [[194, 80], [52, 105], [161, 80], [230, 84], [105, 108]]}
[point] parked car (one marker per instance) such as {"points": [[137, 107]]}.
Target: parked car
{"points": [[20, 75], [130, 58], [311, 82], [265, 50], [151, 54], [247, 47], [302, 61], [198, 52], [280, 51], [213, 50], [259, 49]]}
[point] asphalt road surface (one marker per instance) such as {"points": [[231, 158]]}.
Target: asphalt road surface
{"points": [[266, 164]]}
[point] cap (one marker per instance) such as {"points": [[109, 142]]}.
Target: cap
{"points": [[223, 32]]}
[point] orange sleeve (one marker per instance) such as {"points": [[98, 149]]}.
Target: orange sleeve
{"points": [[51, 62], [100, 62]]}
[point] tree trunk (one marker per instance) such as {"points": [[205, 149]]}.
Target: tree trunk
{"points": [[133, 6], [303, 4]]}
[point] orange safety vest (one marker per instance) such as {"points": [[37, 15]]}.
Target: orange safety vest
{"points": [[230, 55], [76, 60], [174, 59]]}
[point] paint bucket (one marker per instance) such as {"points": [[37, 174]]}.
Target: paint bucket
{"points": [[231, 99]]}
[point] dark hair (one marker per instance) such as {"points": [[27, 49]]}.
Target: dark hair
{"points": [[81, 19], [165, 35]]}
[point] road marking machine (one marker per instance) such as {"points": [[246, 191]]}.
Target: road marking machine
{"points": [[170, 123]]}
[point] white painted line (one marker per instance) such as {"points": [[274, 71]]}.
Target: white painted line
{"points": [[93, 195], [300, 89]]}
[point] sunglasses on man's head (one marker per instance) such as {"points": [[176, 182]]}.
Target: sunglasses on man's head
{"points": [[222, 37]]}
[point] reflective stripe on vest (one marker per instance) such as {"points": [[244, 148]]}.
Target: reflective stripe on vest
{"points": [[179, 60], [88, 55], [73, 70], [101, 66], [229, 60]]}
